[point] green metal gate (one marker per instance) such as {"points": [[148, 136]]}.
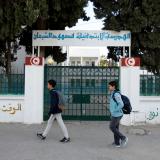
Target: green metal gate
{"points": [[85, 90]]}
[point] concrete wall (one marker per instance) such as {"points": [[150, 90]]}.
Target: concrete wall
{"points": [[28, 108], [146, 109], [34, 88], [150, 108]]}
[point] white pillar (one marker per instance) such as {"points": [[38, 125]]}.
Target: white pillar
{"points": [[130, 86], [34, 87], [38, 51], [130, 51], [82, 61]]}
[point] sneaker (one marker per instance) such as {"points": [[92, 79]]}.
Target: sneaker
{"points": [[124, 142], [65, 140], [116, 145], [40, 135]]}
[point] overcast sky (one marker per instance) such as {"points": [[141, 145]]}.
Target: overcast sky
{"points": [[92, 24]]}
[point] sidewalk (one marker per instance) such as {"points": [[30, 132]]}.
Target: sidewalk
{"points": [[89, 141]]}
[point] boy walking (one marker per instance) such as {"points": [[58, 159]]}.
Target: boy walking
{"points": [[55, 113], [116, 115]]}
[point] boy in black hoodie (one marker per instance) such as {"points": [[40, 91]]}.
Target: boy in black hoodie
{"points": [[55, 113]]}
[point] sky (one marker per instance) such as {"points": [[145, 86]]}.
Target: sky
{"points": [[92, 24]]}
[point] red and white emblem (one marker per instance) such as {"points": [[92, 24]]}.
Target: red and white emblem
{"points": [[130, 62], [38, 61]]}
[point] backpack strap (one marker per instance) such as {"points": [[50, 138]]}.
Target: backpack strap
{"points": [[113, 96], [56, 94]]}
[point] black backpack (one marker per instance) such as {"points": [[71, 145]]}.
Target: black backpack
{"points": [[127, 108]]}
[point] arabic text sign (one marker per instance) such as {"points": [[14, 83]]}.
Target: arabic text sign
{"points": [[153, 114], [11, 109], [80, 38]]}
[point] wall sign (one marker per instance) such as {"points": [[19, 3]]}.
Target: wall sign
{"points": [[80, 38]]}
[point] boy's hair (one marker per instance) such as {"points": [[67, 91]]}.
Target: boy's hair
{"points": [[52, 83], [114, 83]]}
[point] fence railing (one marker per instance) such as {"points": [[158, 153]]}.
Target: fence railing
{"points": [[149, 84], [12, 83]]}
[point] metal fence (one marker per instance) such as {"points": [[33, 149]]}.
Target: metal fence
{"points": [[85, 90], [12, 83], [149, 84]]}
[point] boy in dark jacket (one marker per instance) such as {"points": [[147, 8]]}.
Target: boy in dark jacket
{"points": [[55, 113]]}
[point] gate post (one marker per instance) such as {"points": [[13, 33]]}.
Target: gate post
{"points": [[34, 81], [130, 86]]}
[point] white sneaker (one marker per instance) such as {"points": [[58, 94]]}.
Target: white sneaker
{"points": [[117, 146]]}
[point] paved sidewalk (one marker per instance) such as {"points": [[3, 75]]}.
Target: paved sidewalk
{"points": [[89, 141]]}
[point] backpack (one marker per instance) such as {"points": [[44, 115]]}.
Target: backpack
{"points": [[62, 101], [127, 108]]}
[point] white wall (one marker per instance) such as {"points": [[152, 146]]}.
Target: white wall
{"points": [[150, 107], [146, 109], [28, 108]]}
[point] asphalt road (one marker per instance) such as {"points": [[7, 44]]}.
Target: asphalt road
{"points": [[89, 141]]}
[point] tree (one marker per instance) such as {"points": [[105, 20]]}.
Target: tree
{"points": [[103, 61], [13, 15], [19, 17], [60, 15], [142, 18]]}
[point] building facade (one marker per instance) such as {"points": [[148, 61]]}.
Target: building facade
{"points": [[83, 56]]}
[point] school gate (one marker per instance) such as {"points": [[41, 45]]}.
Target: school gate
{"points": [[85, 90]]}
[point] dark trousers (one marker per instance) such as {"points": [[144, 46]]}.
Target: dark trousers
{"points": [[114, 127]]}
